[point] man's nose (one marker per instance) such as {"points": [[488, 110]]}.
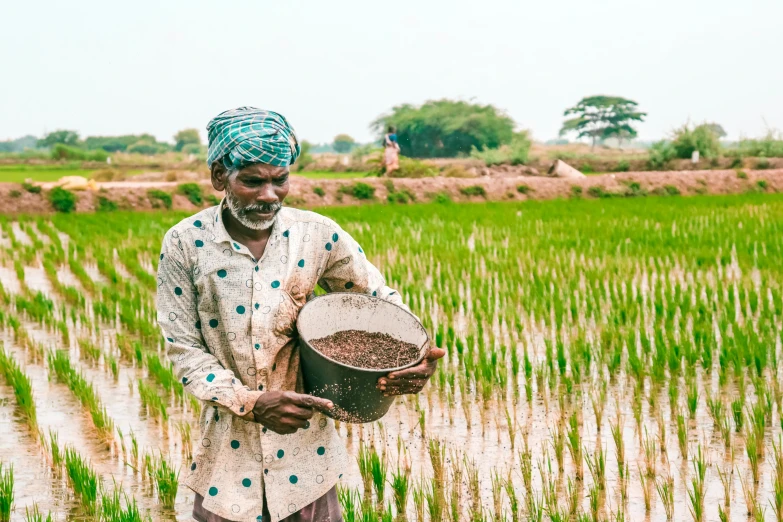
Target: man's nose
{"points": [[267, 194]]}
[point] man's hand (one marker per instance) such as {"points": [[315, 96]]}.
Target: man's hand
{"points": [[284, 412], [413, 379]]}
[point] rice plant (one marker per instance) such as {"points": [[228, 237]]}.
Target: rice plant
{"points": [[6, 492], [165, 479], [35, 515], [82, 479], [665, 488], [22, 385]]}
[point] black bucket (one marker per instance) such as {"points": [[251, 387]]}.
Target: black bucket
{"points": [[352, 390]]}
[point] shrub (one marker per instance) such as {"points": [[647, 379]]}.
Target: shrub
{"points": [[105, 204], [192, 191], [634, 189], [60, 152], [762, 184], [515, 153], [32, 189], [146, 147], [295, 201], [762, 164], [598, 191], [736, 162], [474, 190], [212, 199], [671, 190], [660, 154], [771, 146], [741, 174], [318, 191], [62, 200], [622, 166], [576, 191], [358, 190], [158, 197], [411, 168], [108, 175], [524, 189], [701, 138], [442, 198], [15, 193], [456, 171]]}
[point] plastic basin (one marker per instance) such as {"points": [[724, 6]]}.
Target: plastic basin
{"points": [[352, 390]]}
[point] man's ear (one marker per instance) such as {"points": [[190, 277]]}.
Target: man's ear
{"points": [[219, 175]]}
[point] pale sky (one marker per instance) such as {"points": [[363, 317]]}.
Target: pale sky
{"points": [[107, 68]]}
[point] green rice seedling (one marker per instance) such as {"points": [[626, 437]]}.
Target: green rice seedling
{"points": [[723, 516], [598, 400], [692, 399], [725, 477], [455, 491], [558, 445], [644, 481], [35, 515], [150, 399], [749, 491], [497, 494], [364, 459], [596, 501], [165, 479], [574, 438], [697, 492], [6, 492], [526, 468], [112, 364], [378, 470], [513, 500], [55, 451], [665, 487], [751, 448], [725, 430], [23, 388], [88, 350], [715, 407], [187, 443], [650, 455], [616, 428], [476, 511], [349, 501], [112, 510], [737, 406], [572, 497], [82, 479], [400, 484], [418, 501], [682, 436], [662, 430], [597, 467], [535, 508]]}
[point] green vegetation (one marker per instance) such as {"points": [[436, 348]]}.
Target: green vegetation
{"points": [[159, 197], [320, 174], [474, 190], [445, 128], [514, 153], [104, 204], [15, 377], [343, 143], [6, 492], [701, 138], [358, 190], [62, 200], [603, 117], [193, 192]]}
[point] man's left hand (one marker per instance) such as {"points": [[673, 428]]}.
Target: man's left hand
{"points": [[411, 380]]}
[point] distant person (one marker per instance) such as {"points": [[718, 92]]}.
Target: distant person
{"points": [[231, 282], [391, 153]]}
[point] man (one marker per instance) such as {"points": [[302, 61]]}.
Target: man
{"points": [[231, 282]]}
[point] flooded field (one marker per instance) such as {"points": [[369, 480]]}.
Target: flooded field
{"points": [[606, 360]]}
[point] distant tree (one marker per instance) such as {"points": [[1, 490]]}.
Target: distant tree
{"points": [[66, 137], [716, 129], [147, 147], [116, 143], [343, 143], [602, 117], [305, 158], [703, 138], [19, 144], [446, 128], [186, 137]]}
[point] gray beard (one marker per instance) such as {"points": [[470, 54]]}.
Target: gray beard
{"points": [[240, 213]]}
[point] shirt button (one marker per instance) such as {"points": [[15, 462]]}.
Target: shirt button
{"points": [[260, 387]]}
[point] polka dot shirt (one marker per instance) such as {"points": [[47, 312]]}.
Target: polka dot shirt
{"points": [[229, 324]]}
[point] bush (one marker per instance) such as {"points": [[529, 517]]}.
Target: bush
{"points": [[358, 190], [62, 200], [671, 190], [158, 197], [193, 148], [736, 162], [318, 191], [15, 193], [192, 191], [105, 204], [305, 158], [108, 175], [661, 153], [622, 166], [442, 198], [147, 148], [474, 190], [456, 171], [762, 164], [701, 138], [212, 199], [411, 168], [576, 191], [64, 152], [762, 184], [32, 189], [634, 189], [524, 189], [771, 146], [586, 168], [597, 191], [741, 174], [515, 153]]}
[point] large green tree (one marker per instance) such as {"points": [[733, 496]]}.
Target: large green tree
{"points": [[602, 117], [66, 137], [446, 128], [343, 143], [186, 137]]}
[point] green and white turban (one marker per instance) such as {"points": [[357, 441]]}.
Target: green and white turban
{"points": [[244, 136]]}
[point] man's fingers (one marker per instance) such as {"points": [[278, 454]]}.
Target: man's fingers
{"points": [[309, 401], [435, 354], [417, 372], [298, 413]]}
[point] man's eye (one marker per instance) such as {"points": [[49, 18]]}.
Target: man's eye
{"points": [[281, 181]]}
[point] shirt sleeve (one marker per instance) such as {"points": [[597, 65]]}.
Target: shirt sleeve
{"points": [[348, 270], [196, 367]]}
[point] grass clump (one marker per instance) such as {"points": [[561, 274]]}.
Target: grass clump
{"points": [[22, 386], [15, 194], [32, 189], [524, 189], [576, 191], [159, 197], [166, 480], [212, 199], [193, 192], [6, 492], [104, 204], [358, 190], [83, 479], [741, 174], [515, 153], [318, 191], [473, 190], [62, 200]]}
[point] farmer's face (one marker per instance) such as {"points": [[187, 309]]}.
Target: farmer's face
{"points": [[254, 194]]}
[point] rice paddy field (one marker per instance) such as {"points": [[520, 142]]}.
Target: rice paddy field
{"points": [[608, 360]]}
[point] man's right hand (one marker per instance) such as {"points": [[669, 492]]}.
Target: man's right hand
{"points": [[284, 412]]}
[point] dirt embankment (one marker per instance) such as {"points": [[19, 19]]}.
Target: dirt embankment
{"points": [[312, 193]]}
